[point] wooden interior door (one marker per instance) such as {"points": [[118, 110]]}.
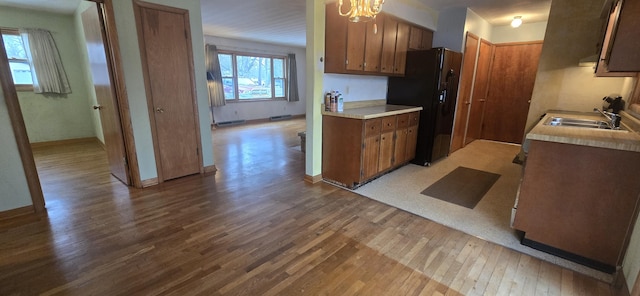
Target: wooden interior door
{"points": [[105, 94], [165, 45], [464, 95], [511, 81], [479, 94]]}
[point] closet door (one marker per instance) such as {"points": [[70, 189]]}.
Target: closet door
{"points": [[513, 74], [479, 93], [165, 45], [464, 100]]}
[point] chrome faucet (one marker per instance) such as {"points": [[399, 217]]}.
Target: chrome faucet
{"points": [[614, 119]]}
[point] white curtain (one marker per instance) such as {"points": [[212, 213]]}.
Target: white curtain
{"points": [[46, 66], [214, 77], [293, 79]]}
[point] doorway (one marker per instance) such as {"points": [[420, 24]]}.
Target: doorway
{"points": [[102, 12]]}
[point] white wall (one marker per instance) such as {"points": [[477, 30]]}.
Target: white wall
{"points": [[526, 32], [51, 118], [357, 87], [264, 109], [477, 25], [413, 11], [132, 68], [14, 190], [451, 31], [631, 263]]}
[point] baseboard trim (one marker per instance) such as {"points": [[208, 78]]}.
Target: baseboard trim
{"points": [[604, 267], [149, 182], [262, 120], [313, 179], [210, 170], [65, 142], [17, 212]]}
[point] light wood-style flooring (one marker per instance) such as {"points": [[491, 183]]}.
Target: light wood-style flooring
{"points": [[255, 228]]}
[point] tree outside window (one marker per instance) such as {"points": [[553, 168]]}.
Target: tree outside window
{"points": [[249, 77], [18, 63]]}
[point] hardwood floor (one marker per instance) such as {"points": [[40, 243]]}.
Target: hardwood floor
{"points": [[255, 228]]}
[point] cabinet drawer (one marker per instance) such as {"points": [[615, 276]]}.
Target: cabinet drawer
{"points": [[388, 123], [414, 118], [403, 120], [372, 127]]}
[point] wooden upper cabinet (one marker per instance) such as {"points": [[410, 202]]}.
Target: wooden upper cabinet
{"points": [[376, 48], [373, 47], [402, 44], [390, 32], [620, 46], [355, 46], [420, 38], [335, 52], [427, 39]]}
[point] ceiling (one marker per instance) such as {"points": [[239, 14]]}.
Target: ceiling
{"points": [[283, 21]]}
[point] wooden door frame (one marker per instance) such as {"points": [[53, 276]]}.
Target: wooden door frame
{"points": [[137, 6], [19, 128], [20, 133]]}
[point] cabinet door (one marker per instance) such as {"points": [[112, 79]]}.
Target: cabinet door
{"points": [[412, 140], [373, 47], [415, 38], [370, 156], [385, 160], [618, 51], [335, 41], [388, 45], [427, 40], [402, 44], [625, 46], [355, 46], [399, 154]]}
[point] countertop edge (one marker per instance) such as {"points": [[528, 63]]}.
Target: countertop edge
{"points": [[373, 112]]}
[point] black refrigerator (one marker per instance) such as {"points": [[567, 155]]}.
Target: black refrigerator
{"points": [[430, 81]]}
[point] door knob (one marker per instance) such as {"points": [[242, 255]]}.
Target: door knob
{"points": [[98, 107], [159, 110]]}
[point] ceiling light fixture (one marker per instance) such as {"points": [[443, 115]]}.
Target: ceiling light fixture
{"points": [[362, 10], [516, 22]]}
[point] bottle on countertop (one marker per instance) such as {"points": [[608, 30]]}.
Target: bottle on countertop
{"points": [[334, 103], [327, 102], [340, 103]]}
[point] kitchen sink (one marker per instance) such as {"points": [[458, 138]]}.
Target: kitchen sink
{"points": [[577, 122]]}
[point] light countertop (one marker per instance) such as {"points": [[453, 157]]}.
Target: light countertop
{"points": [[627, 139], [373, 111]]}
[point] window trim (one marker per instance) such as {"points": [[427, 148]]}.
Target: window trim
{"points": [[14, 31], [234, 76]]}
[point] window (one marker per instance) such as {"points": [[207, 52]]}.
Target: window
{"points": [[20, 66], [250, 77]]}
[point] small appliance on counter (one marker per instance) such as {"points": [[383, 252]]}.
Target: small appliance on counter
{"points": [[615, 104]]}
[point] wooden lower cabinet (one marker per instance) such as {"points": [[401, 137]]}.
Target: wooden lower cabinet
{"points": [[579, 202], [355, 151]]}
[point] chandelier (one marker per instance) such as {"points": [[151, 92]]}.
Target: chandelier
{"points": [[362, 10]]}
